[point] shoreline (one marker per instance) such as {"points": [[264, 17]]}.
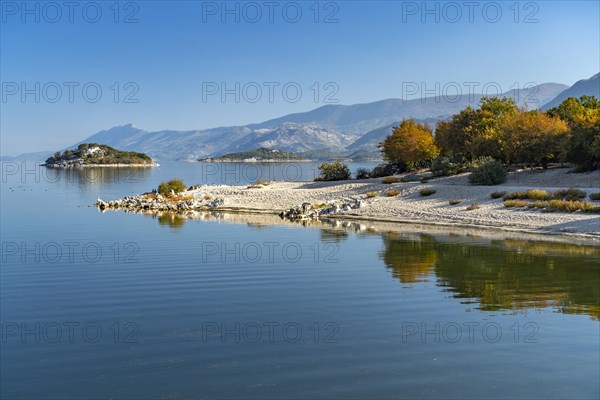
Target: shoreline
{"points": [[349, 200]]}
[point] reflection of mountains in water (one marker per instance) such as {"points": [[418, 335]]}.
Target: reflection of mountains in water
{"points": [[496, 270]]}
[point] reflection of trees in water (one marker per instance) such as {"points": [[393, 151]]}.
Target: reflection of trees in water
{"points": [[505, 274], [171, 219], [333, 235]]}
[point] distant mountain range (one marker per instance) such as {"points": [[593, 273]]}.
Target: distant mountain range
{"points": [[351, 131]]}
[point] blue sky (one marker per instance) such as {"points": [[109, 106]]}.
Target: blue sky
{"points": [[172, 56]]}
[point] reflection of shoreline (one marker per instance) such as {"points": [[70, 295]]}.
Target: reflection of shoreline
{"points": [[371, 226]]}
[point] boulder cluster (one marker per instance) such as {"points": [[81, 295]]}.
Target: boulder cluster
{"points": [[314, 211], [156, 202]]}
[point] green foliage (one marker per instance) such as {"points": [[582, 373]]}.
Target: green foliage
{"points": [[106, 155], [388, 169], [262, 153], [443, 166], [427, 191], [595, 196], [175, 185], [363, 173], [410, 143], [336, 171], [487, 171]]}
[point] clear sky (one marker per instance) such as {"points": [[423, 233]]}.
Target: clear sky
{"points": [[175, 58]]}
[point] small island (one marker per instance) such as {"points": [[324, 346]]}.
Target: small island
{"points": [[98, 155], [262, 154]]}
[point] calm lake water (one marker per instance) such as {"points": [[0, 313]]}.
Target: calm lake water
{"points": [[114, 305]]}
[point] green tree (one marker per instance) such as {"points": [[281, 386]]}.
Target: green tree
{"points": [[410, 143], [336, 171], [583, 117]]}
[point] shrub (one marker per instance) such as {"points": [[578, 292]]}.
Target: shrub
{"points": [[263, 182], [175, 185], [389, 180], [487, 171], [454, 202], [363, 173], [254, 187], [207, 197], [570, 194], [371, 194], [515, 195], [336, 171], [515, 203], [410, 178], [570, 206], [497, 195], [595, 196], [427, 191], [388, 169], [442, 166], [423, 179], [473, 207], [536, 194], [393, 192]]}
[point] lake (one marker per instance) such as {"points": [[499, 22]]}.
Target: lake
{"points": [[116, 305]]}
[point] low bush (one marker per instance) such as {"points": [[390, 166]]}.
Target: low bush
{"points": [[443, 166], [595, 196], [515, 203], [497, 195], [410, 178], [487, 171], [571, 206], [363, 173], [207, 197], [454, 202], [174, 185], [335, 171], [388, 180], [423, 179], [570, 194], [371, 194], [254, 187], [536, 194], [427, 191], [393, 192], [473, 207], [263, 182], [387, 169], [515, 196]]}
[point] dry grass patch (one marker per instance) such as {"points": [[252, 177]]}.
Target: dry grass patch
{"points": [[515, 203], [427, 191], [454, 202], [388, 180], [207, 197], [393, 192], [370, 195], [473, 207], [497, 195], [254, 187], [263, 182]]}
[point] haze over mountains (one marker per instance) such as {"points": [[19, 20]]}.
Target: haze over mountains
{"points": [[329, 131]]}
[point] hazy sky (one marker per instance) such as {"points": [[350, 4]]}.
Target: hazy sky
{"points": [[175, 59]]}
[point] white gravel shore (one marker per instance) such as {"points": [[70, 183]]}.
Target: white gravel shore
{"points": [[410, 206]]}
